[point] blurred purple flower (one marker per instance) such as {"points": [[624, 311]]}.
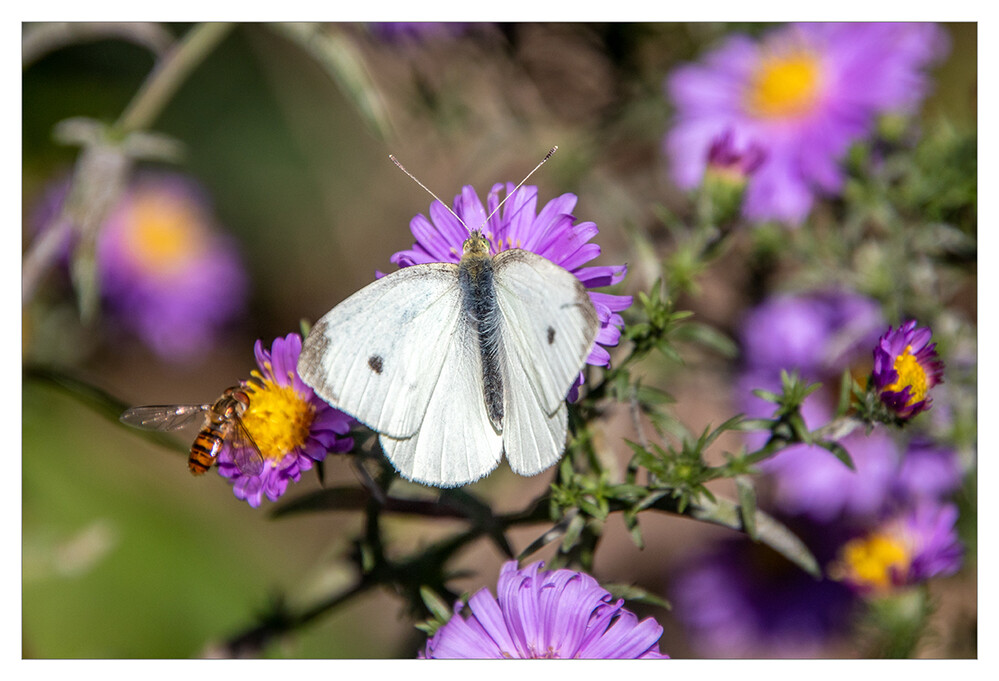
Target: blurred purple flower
{"points": [[416, 31], [820, 334], [290, 424], [741, 599], [803, 94], [928, 472], [907, 549], [906, 367], [553, 233], [166, 272], [544, 614]]}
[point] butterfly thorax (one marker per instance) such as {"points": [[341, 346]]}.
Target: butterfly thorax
{"points": [[478, 302]]}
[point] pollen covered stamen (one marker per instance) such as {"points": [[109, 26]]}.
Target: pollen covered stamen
{"points": [[278, 418], [910, 374], [784, 85]]}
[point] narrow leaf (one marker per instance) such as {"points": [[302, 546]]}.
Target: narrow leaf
{"points": [[747, 505], [770, 531]]}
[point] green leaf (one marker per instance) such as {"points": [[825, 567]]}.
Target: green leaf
{"points": [[770, 531], [747, 505], [635, 594], [839, 452], [342, 61], [435, 604], [572, 532], [709, 337]]}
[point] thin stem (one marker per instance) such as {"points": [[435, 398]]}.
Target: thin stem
{"points": [[168, 75]]}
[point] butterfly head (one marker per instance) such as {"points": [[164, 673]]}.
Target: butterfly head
{"points": [[475, 245]]}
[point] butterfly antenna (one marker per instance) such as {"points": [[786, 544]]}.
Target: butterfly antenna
{"points": [[413, 178], [550, 153]]}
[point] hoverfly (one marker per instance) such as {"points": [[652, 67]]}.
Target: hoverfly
{"points": [[222, 424]]}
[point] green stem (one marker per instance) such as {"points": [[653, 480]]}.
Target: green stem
{"points": [[168, 75]]}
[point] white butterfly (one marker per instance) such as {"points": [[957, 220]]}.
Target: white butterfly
{"points": [[456, 364]]}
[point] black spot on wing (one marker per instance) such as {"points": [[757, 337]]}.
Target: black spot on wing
{"points": [[375, 362], [551, 335]]}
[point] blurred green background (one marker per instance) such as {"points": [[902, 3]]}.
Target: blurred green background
{"points": [[124, 553]]}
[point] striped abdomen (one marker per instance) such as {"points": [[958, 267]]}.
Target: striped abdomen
{"points": [[206, 448], [208, 444]]}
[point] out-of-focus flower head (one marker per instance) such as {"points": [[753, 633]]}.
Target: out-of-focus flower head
{"points": [[544, 614], [166, 271], [290, 424], [905, 550], [551, 233], [803, 94], [741, 599], [928, 472], [818, 334], [906, 367], [416, 31]]}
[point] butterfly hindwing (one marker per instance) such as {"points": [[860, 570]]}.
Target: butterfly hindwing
{"points": [[457, 443], [378, 355]]}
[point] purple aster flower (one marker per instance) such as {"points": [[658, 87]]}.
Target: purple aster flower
{"points": [[803, 95], [904, 550], [166, 271], [290, 424], [906, 367], [553, 233], [740, 599], [819, 334], [734, 165], [544, 614]]}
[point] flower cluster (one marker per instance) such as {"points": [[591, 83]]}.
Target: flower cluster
{"points": [[883, 526], [544, 614], [801, 96], [290, 424]]}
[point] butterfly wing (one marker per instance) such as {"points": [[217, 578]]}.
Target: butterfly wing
{"points": [[379, 354], [548, 328], [457, 443]]}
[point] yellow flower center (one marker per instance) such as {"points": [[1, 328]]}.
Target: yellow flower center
{"points": [[912, 374], [784, 86], [871, 561], [278, 418], [164, 232]]}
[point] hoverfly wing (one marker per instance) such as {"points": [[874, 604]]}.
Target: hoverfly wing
{"points": [[245, 452], [164, 416]]}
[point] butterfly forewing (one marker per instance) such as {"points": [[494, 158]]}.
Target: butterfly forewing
{"points": [[549, 322], [378, 354], [164, 417]]}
